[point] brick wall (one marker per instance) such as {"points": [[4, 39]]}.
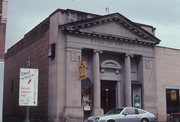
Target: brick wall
{"points": [[2, 39], [34, 48]]}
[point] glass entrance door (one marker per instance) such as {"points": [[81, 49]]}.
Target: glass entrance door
{"points": [[108, 95]]}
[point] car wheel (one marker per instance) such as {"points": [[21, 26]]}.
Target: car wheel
{"points": [[111, 121], [144, 120]]}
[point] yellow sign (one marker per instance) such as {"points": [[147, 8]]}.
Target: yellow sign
{"points": [[173, 96], [82, 70]]}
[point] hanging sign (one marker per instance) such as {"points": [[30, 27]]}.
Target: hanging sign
{"points": [[82, 70], [28, 87]]}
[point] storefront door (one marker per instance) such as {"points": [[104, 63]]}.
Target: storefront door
{"points": [[108, 95]]}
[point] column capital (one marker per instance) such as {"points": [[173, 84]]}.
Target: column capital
{"points": [[75, 54], [129, 55], [98, 51]]}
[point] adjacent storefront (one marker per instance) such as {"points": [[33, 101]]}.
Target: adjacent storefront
{"points": [[168, 79]]}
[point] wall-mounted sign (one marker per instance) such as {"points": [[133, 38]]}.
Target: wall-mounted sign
{"points": [[82, 70], [28, 87]]}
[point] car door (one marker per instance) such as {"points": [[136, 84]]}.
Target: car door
{"points": [[129, 115]]}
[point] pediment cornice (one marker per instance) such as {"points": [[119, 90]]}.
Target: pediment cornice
{"points": [[108, 36], [75, 27]]}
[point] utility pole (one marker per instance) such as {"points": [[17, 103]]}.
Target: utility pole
{"points": [[107, 10]]}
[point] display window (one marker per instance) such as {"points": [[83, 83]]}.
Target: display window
{"points": [[172, 101], [87, 97], [137, 95]]}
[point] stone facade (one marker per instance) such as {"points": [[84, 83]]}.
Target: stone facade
{"points": [[121, 59]]}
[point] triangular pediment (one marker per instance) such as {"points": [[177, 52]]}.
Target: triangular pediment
{"points": [[113, 26]]}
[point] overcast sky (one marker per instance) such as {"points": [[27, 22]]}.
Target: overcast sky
{"points": [[164, 15]]}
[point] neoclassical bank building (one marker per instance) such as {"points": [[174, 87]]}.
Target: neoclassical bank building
{"points": [[89, 64]]}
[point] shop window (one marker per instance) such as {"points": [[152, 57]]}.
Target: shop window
{"points": [[137, 95], [172, 101], [87, 98]]}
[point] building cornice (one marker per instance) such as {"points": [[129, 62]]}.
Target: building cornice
{"points": [[107, 36], [118, 18]]}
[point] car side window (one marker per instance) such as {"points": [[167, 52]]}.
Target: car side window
{"points": [[141, 111], [136, 111], [130, 111]]}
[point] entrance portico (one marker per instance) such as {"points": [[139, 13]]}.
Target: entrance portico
{"points": [[112, 56]]}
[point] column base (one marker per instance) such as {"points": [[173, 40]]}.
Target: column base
{"points": [[98, 111], [73, 114]]}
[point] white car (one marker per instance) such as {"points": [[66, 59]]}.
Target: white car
{"points": [[126, 114]]}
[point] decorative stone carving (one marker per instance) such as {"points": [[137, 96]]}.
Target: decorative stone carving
{"points": [[148, 62], [75, 57], [75, 54]]}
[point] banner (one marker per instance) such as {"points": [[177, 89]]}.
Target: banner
{"points": [[28, 87], [82, 70]]}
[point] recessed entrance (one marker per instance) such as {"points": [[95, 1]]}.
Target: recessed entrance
{"points": [[108, 95]]}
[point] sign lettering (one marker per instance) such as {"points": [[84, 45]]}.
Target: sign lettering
{"points": [[28, 87]]}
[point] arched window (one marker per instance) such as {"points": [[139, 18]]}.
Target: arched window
{"points": [[110, 70]]}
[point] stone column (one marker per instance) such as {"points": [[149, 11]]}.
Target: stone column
{"points": [[128, 89], [120, 94], [97, 84]]}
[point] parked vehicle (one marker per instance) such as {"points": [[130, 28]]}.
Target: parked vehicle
{"points": [[126, 114]]}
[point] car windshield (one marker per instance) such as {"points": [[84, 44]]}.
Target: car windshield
{"points": [[115, 111]]}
